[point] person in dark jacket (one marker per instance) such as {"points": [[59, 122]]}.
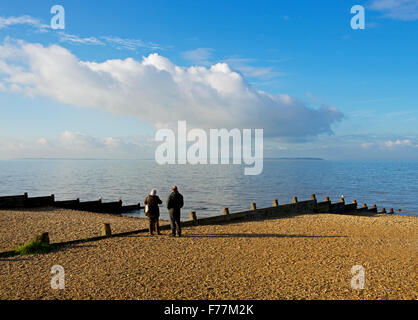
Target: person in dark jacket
{"points": [[153, 213], [174, 204]]}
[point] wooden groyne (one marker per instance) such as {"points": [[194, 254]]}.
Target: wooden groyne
{"points": [[24, 201], [117, 207], [296, 207]]}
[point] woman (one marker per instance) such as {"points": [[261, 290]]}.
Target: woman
{"points": [[152, 211]]}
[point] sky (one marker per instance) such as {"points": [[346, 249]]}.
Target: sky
{"points": [[120, 70]]}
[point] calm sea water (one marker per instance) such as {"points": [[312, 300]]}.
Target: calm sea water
{"points": [[207, 189]]}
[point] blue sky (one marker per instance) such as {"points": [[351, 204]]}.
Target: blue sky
{"points": [[353, 93]]}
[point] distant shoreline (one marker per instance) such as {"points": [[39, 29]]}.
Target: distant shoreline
{"points": [[104, 159], [301, 158]]}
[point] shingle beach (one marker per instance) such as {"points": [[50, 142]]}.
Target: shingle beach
{"points": [[294, 257]]}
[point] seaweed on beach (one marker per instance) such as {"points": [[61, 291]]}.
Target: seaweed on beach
{"points": [[34, 247]]}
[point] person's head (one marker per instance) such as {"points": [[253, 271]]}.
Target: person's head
{"points": [[174, 188], [153, 192]]}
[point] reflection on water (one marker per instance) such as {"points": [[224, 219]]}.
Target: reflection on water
{"points": [[209, 188]]}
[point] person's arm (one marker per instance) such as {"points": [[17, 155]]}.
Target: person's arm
{"points": [[169, 202], [146, 200], [181, 204], [159, 201]]}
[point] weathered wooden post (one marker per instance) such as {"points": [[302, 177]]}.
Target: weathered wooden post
{"points": [[313, 198], [354, 201], [193, 216], [275, 203], [383, 210], [106, 231], [373, 209], [253, 206], [325, 207], [391, 211], [226, 211], [100, 199], [365, 206], [43, 238], [342, 200], [26, 195], [295, 200]]}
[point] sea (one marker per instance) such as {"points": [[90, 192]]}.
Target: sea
{"points": [[207, 189]]}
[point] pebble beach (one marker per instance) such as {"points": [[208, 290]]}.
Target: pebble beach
{"points": [[293, 257]]}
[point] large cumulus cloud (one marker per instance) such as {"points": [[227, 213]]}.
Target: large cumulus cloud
{"points": [[158, 92]]}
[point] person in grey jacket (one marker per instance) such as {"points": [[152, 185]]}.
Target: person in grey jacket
{"points": [[174, 203]]}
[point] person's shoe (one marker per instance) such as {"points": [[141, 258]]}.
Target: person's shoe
{"points": [[172, 235], [150, 234], [179, 235], [159, 233]]}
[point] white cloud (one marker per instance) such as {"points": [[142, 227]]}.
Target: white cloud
{"points": [[243, 65], [65, 37], [399, 143], [367, 145], [204, 57], [71, 144], [6, 22], [117, 42], [200, 56], [406, 10], [83, 142], [80, 141], [158, 92], [130, 44], [389, 144], [42, 141]]}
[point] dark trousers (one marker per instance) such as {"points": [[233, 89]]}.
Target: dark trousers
{"points": [[175, 223], [153, 225]]}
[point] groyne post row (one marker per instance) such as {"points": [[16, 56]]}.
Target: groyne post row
{"points": [[296, 207], [23, 201], [309, 206]]}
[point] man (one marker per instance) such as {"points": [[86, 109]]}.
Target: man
{"points": [[174, 204]]}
